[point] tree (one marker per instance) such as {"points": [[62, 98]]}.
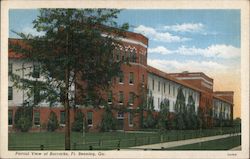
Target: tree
{"points": [[108, 120], [163, 114], [52, 122], [74, 52], [23, 118], [78, 122], [191, 119], [180, 101], [150, 121], [180, 110]]}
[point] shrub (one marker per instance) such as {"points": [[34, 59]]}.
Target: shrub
{"points": [[149, 121], [78, 122], [53, 122], [23, 118], [108, 120]]}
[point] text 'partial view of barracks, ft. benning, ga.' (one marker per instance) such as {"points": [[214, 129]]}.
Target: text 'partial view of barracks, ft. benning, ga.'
{"points": [[127, 91]]}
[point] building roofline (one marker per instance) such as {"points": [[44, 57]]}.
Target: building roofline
{"points": [[201, 73], [224, 100], [167, 76]]}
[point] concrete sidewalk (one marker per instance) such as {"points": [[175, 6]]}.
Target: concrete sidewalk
{"points": [[181, 142], [236, 148]]}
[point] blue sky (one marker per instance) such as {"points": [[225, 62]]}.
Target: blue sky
{"points": [[179, 40]]}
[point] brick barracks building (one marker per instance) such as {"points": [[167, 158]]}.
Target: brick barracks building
{"points": [[126, 91]]}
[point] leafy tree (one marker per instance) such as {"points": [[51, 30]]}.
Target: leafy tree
{"points": [[52, 122], [180, 101], [180, 110], [78, 122], [143, 104], [108, 120], [191, 117], [76, 48], [150, 121], [23, 118], [163, 114]]}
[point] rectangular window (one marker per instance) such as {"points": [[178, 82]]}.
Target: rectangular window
{"points": [[131, 77], [130, 119], [90, 118], [10, 117], [10, 93], [131, 98], [121, 76], [159, 86], [10, 68], [110, 96], [120, 115], [36, 71], [37, 118], [62, 117], [153, 84], [164, 87], [121, 97]]}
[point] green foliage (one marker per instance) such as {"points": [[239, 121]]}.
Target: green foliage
{"points": [[149, 121], [52, 122], [180, 101], [108, 120], [179, 121], [73, 41], [23, 118], [78, 122], [163, 114]]}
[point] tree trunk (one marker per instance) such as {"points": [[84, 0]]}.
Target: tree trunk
{"points": [[66, 104], [67, 114]]}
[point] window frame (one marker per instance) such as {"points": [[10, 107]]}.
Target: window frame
{"points": [[90, 119], [131, 78], [10, 93], [37, 118], [121, 97], [10, 116], [61, 119]]}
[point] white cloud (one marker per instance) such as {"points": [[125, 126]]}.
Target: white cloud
{"points": [[32, 31], [219, 51], [158, 36], [159, 49], [185, 27], [170, 66]]}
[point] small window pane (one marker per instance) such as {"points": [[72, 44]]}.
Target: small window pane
{"points": [[37, 118], [62, 117], [10, 117], [90, 118], [10, 93]]}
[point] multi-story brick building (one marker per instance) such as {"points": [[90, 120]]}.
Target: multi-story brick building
{"points": [[126, 90]]}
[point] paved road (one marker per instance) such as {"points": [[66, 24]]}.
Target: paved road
{"points": [[181, 142]]}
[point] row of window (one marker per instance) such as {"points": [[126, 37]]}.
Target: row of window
{"points": [[131, 78], [35, 73], [169, 89], [36, 118], [121, 97], [129, 55]]}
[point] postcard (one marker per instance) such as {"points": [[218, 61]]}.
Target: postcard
{"points": [[124, 79]]}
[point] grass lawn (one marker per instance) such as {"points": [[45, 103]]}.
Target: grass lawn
{"points": [[220, 144], [103, 141]]}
